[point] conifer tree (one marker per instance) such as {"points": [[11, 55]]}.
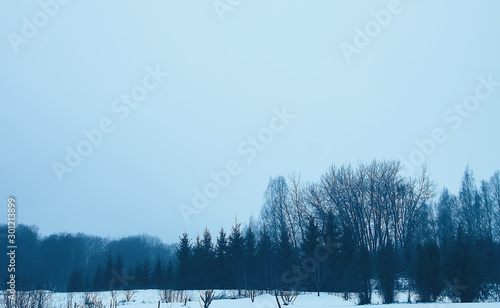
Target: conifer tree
{"points": [[222, 259], [184, 263], [158, 276], [265, 252], [250, 265], [208, 260], [236, 253]]}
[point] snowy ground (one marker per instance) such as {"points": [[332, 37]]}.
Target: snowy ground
{"points": [[150, 298]]}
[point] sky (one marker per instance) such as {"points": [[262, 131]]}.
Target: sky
{"points": [[161, 117]]}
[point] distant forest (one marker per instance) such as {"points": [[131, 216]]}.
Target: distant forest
{"points": [[359, 229]]}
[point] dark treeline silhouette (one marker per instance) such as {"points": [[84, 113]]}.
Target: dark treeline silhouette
{"points": [[79, 262], [359, 229]]}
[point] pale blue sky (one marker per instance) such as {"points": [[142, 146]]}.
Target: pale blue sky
{"points": [[225, 79]]}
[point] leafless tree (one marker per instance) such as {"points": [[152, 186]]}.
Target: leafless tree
{"points": [[319, 274], [129, 294], [114, 295], [274, 210], [92, 300], [375, 202], [167, 295], [297, 206], [69, 299], [207, 297]]}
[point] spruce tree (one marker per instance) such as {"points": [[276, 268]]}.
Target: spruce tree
{"points": [[222, 259], [146, 272], [265, 252], [158, 276], [197, 269], [184, 263], [286, 258], [169, 276], [208, 259], [336, 262], [250, 265], [236, 252]]}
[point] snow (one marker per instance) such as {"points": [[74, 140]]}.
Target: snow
{"points": [[150, 298]]}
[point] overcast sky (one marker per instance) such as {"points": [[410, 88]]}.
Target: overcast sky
{"points": [[170, 91]]}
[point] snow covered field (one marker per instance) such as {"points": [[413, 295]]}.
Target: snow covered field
{"points": [[150, 298]]}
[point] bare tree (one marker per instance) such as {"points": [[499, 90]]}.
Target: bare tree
{"points": [[129, 294], [207, 297], [319, 274], [274, 210], [297, 206], [69, 299], [167, 296], [92, 300], [114, 295], [375, 202], [252, 293]]}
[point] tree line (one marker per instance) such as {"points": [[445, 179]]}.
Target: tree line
{"points": [[359, 229], [79, 262]]}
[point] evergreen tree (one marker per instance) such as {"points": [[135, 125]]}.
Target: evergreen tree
{"points": [[146, 270], [336, 262], [286, 258], [265, 252], [236, 252], [311, 240], [309, 244], [158, 276], [208, 259], [250, 265], [184, 263], [197, 270], [222, 259]]}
